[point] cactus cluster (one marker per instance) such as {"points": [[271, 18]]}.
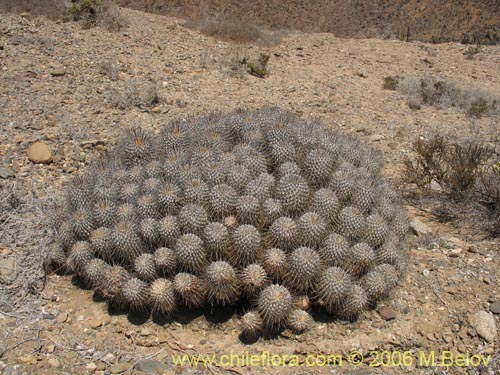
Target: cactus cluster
{"points": [[255, 207]]}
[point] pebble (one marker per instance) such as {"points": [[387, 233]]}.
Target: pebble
{"points": [[95, 323], [151, 367], [119, 368], [426, 272], [485, 325], [54, 363], [8, 270], [62, 317], [495, 307], [110, 357], [39, 152], [386, 313], [91, 366], [6, 173], [58, 73], [419, 228]]}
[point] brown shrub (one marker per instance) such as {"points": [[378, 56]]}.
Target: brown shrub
{"points": [[454, 165], [53, 9]]}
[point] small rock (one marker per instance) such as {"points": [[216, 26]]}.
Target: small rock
{"points": [[6, 173], [151, 367], [54, 363], [95, 323], [412, 104], [156, 109], [91, 366], [58, 73], [386, 313], [62, 317], [8, 270], [119, 368], [495, 307], [484, 324], [376, 137], [419, 228], [39, 152], [110, 357], [51, 348], [426, 272]]}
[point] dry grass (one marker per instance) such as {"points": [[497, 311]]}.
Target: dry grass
{"points": [[233, 30], [445, 93]]}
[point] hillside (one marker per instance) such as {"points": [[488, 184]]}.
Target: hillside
{"points": [[428, 20]]}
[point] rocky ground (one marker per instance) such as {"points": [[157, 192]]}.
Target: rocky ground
{"points": [[74, 90]]}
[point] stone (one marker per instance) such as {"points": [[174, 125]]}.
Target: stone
{"points": [[95, 323], [54, 363], [418, 228], [8, 270], [386, 313], [6, 173], [119, 368], [62, 317], [151, 367], [39, 152], [485, 325], [376, 137], [495, 307], [57, 73], [91, 366]]}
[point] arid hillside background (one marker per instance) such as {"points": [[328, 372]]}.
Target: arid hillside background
{"points": [[429, 20]]}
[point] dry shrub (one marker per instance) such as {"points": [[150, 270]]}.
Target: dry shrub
{"points": [[53, 9], [138, 92], [444, 93], [455, 165], [467, 171], [102, 13], [233, 30]]}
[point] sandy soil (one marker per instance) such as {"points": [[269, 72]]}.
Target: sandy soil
{"points": [[58, 83]]}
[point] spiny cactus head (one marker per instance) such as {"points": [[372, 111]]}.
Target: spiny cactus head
{"points": [[81, 253], [149, 230], [222, 200], [251, 323], [94, 271], [135, 294], [253, 279], [112, 283], [217, 240], [288, 167], [283, 233], [248, 209], [351, 223], [299, 321], [192, 218], [312, 228], [137, 146], [332, 288], [190, 290], [169, 230], [145, 267], [275, 262], [191, 254], [318, 166], [274, 305], [354, 303], [222, 283], [246, 244], [303, 268], [359, 258], [162, 296], [374, 284], [165, 261], [293, 192], [326, 204]]}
